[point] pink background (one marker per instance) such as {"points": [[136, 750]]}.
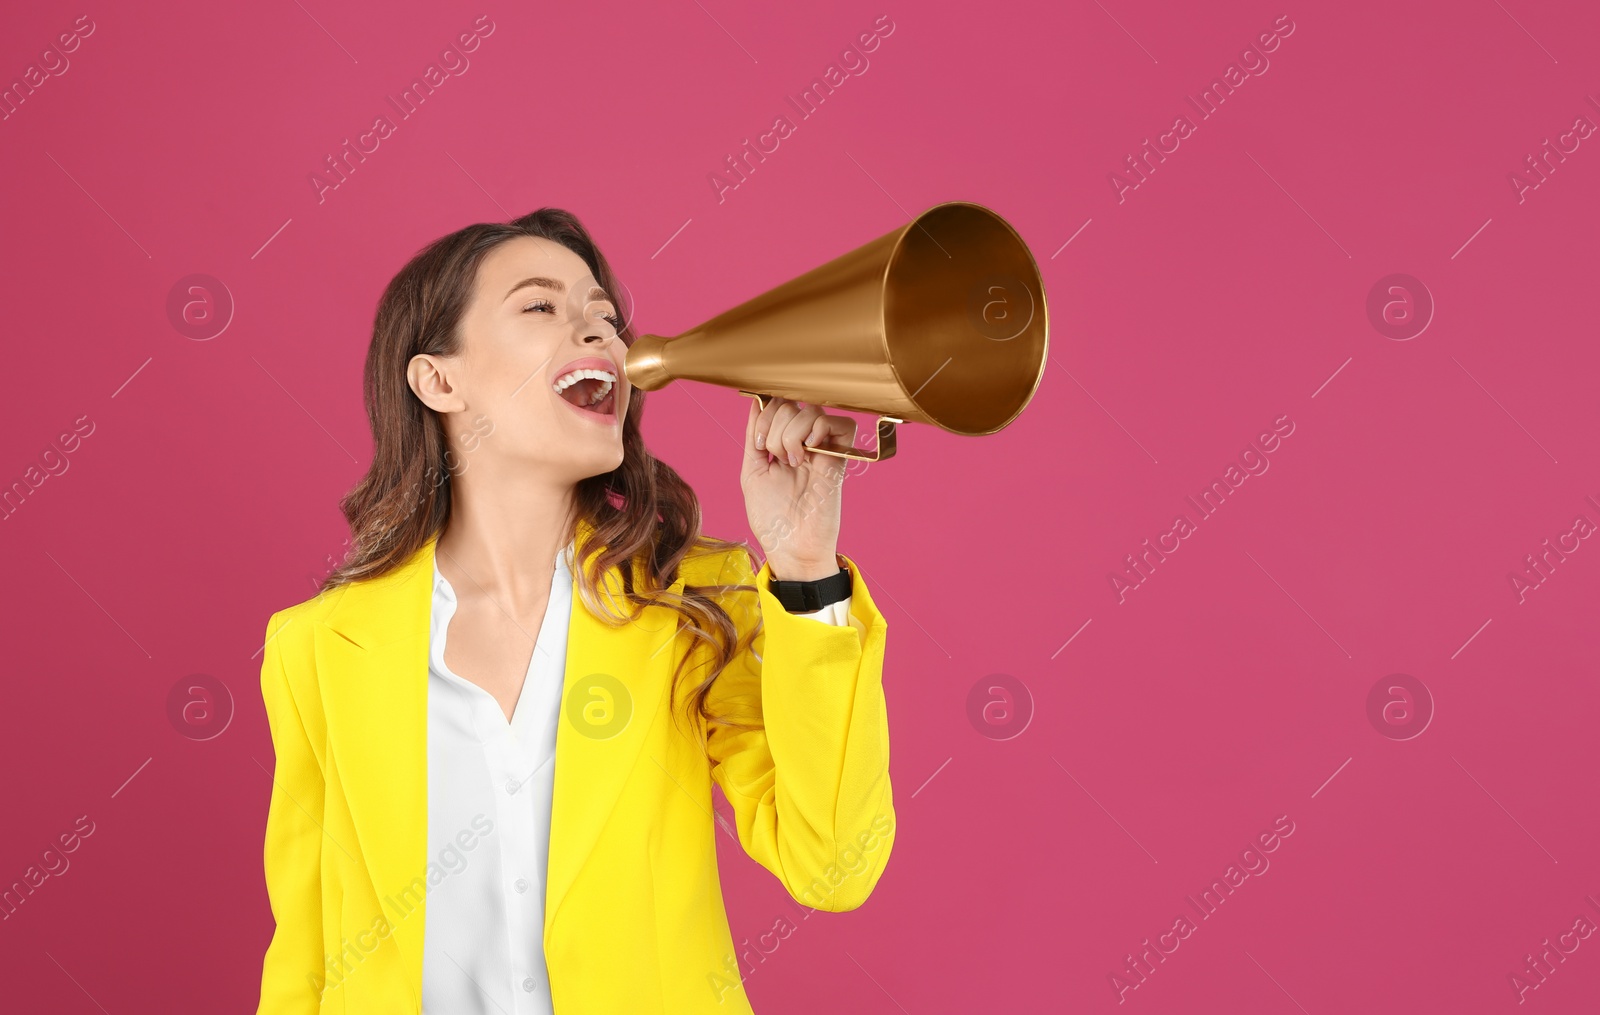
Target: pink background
{"points": [[1229, 689]]}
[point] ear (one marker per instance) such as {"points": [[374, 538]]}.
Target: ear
{"points": [[429, 378]]}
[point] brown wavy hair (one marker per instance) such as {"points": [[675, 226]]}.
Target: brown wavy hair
{"points": [[642, 512]]}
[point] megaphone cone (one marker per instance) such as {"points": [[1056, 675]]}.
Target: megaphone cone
{"points": [[942, 321]]}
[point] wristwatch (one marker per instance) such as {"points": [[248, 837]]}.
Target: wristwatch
{"points": [[808, 597]]}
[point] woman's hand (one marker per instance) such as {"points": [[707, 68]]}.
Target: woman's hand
{"points": [[792, 496]]}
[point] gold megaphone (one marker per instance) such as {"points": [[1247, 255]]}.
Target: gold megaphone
{"points": [[941, 321]]}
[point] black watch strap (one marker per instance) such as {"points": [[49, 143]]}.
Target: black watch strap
{"points": [[808, 597]]}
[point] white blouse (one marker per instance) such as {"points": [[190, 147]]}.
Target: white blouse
{"points": [[490, 784]]}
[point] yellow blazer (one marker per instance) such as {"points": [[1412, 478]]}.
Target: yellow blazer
{"points": [[634, 920]]}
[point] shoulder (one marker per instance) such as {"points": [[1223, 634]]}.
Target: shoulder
{"points": [[290, 683], [315, 608], [290, 628]]}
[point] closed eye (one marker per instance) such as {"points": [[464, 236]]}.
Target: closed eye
{"points": [[614, 320]]}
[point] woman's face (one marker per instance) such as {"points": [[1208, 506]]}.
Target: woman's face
{"points": [[537, 322]]}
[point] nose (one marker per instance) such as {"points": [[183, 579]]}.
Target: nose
{"points": [[594, 318]]}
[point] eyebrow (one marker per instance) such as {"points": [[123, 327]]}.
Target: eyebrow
{"points": [[554, 285]]}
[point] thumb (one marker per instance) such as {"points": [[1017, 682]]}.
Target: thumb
{"points": [[753, 456]]}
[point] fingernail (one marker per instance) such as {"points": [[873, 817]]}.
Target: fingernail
{"points": [[794, 459], [761, 441], [811, 439]]}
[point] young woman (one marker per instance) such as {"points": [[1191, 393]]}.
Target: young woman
{"points": [[498, 724]]}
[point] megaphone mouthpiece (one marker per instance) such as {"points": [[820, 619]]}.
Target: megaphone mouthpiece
{"points": [[647, 364]]}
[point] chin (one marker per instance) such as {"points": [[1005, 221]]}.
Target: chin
{"points": [[600, 464]]}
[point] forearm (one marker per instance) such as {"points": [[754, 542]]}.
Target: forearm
{"points": [[827, 731]]}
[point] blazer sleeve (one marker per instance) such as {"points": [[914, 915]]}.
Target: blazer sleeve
{"points": [[293, 969], [834, 613], [809, 788]]}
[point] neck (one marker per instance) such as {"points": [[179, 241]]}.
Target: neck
{"points": [[507, 523]]}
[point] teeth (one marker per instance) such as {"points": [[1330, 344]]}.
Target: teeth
{"points": [[606, 377]]}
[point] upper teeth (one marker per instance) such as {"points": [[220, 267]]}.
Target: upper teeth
{"points": [[605, 377]]}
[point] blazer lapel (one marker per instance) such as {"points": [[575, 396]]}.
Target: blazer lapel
{"points": [[372, 665], [609, 670]]}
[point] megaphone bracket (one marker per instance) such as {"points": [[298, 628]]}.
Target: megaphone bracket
{"points": [[886, 437]]}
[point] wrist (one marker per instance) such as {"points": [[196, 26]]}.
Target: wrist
{"points": [[796, 570], [809, 593]]}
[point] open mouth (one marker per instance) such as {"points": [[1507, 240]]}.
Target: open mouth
{"points": [[589, 391]]}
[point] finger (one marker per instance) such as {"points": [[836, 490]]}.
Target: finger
{"points": [[753, 455], [795, 431], [830, 429], [783, 412], [834, 432], [764, 422]]}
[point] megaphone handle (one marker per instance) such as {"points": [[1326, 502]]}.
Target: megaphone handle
{"points": [[886, 438]]}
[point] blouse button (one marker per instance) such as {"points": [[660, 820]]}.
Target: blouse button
{"points": [[521, 885], [528, 984], [511, 786]]}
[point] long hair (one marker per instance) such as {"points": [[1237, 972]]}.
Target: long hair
{"points": [[642, 511]]}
